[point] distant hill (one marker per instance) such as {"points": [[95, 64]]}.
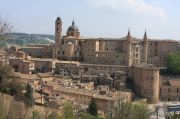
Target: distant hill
{"points": [[22, 39]]}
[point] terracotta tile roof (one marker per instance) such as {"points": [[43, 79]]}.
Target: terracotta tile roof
{"points": [[175, 82]]}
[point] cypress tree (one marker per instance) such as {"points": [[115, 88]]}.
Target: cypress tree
{"points": [[93, 108], [29, 100]]}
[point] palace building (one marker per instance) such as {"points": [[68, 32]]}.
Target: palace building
{"points": [[140, 58]]}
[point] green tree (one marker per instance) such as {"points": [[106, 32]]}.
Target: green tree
{"points": [[140, 111], [6, 74], [7, 80], [174, 116], [93, 108], [36, 115], [29, 100], [88, 116], [68, 111], [128, 110], [173, 63], [54, 115]]}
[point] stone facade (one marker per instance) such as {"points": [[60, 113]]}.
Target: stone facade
{"points": [[41, 51], [139, 58], [126, 51]]}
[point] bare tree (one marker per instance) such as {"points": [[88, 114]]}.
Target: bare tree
{"points": [[5, 28], [2, 107], [11, 109], [17, 110]]}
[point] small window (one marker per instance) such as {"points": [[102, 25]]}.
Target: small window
{"points": [[160, 90]]}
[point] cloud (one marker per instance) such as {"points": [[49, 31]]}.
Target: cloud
{"points": [[131, 7]]}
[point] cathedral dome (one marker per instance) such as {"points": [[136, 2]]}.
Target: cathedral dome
{"points": [[73, 27]]}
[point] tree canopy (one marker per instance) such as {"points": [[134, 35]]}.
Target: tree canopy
{"points": [[128, 110], [29, 100], [6, 73], [173, 63], [68, 111]]}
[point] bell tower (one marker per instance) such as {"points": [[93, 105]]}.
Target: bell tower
{"points": [[58, 31]]}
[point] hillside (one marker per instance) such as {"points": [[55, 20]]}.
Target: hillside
{"points": [[26, 39]]}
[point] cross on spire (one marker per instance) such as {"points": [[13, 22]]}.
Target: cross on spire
{"points": [[73, 23]]}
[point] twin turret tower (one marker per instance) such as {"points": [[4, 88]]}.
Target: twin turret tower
{"points": [[133, 50]]}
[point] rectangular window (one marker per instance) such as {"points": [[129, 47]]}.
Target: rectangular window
{"points": [[160, 91], [169, 90]]}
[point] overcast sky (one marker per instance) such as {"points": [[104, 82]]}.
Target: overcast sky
{"points": [[96, 18]]}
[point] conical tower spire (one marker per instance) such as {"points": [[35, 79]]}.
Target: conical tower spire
{"points": [[145, 35], [129, 33], [145, 49], [128, 49]]}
